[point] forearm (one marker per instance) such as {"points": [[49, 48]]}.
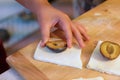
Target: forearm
{"points": [[33, 5]]}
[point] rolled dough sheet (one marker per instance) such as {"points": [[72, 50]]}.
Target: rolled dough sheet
{"points": [[95, 78], [100, 63], [69, 57]]}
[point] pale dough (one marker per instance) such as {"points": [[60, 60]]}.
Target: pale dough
{"points": [[95, 78], [70, 57], [100, 63]]}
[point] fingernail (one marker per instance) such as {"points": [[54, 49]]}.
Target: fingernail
{"points": [[83, 45], [69, 44], [42, 44]]}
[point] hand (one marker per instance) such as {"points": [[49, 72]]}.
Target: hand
{"points": [[49, 17]]}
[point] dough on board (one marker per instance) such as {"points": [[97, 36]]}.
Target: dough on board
{"points": [[99, 63], [95, 78], [69, 57]]}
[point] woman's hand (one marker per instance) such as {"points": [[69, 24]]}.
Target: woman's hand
{"points": [[49, 17]]}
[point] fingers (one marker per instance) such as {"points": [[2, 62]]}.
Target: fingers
{"points": [[78, 36], [66, 27], [78, 24], [45, 33], [83, 32], [78, 31]]}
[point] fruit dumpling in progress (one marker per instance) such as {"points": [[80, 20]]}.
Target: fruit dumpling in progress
{"points": [[56, 45], [110, 50]]}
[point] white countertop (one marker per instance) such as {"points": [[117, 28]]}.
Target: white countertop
{"points": [[10, 74], [8, 9]]}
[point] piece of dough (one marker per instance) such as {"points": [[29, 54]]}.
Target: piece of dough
{"points": [[69, 57], [96, 78], [100, 63]]}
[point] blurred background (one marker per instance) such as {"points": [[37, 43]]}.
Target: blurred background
{"points": [[19, 27]]}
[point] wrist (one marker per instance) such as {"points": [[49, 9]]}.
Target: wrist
{"points": [[40, 5], [34, 5]]}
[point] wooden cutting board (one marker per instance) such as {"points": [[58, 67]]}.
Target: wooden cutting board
{"points": [[102, 23]]}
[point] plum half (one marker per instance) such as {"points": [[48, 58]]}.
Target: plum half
{"points": [[110, 50], [56, 45]]}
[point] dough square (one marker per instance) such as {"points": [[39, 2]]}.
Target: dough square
{"points": [[69, 57], [95, 78], [99, 63]]}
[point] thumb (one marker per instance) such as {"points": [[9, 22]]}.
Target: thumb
{"points": [[45, 33]]}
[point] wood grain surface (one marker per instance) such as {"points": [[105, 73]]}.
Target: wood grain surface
{"points": [[102, 23]]}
